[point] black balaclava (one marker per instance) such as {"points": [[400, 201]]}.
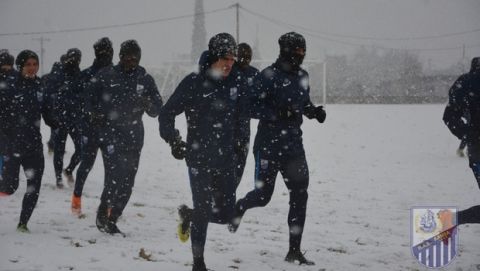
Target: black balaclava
{"points": [[244, 55], [72, 60], [221, 45], [103, 52], [289, 43], [129, 48], [204, 61], [23, 56], [6, 59], [475, 67], [63, 58]]}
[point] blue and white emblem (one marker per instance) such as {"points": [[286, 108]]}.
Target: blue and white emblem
{"points": [[434, 235]]}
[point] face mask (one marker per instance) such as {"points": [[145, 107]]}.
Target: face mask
{"points": [[297, 59], [130, 62], [293, 60], [72, 65], [104, 59]]}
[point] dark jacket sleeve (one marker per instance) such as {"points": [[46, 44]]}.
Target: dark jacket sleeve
{"points": [[309, 110], [90, 98], [176, 104], [242, 116], [152, 100], [49, 92], [260, 104], [454, 111], [5, 101], [46, 108], [3, 124]]}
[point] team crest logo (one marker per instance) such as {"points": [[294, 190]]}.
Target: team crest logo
{"points": [[140, 88], [233, 93], [110, 149], [263, 163], [434, 235]]}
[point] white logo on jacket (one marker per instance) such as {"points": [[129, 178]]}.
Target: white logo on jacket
{"points": [[233, 93]]}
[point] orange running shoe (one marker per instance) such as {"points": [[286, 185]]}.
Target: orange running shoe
{"points": [[76, 205]]}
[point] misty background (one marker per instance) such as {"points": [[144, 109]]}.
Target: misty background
{"points": [[376, 51]]}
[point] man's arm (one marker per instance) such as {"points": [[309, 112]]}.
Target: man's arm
{"points": [[175, 105], [152, 100], [454, 111]]}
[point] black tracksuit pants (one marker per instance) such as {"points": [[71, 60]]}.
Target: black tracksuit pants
{"points": [[59, 140], [213, 195], [120, 169], [90, 147], [296, 177], [33, 164], [241, 160], [50, 139], [472, 215]]}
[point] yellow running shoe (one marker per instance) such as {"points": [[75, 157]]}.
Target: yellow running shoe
{"points": [[183, 228], [23, 228]]}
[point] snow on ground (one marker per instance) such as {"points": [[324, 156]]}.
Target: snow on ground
{"points": [[369, 164]]}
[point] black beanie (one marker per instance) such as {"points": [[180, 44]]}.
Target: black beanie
{"points": [[130, 47], [221, 45], [244, 48], [63, 58], [103, 46], [291, 41], [73, 54], [6, 58], [23, 56], [475, 67]]}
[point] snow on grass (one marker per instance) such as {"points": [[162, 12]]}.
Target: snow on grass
{"points": [[369, 164]]}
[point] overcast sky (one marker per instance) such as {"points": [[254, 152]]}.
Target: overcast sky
{"points": [[330, 26]]}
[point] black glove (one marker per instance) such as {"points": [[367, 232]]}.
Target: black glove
{"points": [[179, 149], [178, 146], [320, 114]]}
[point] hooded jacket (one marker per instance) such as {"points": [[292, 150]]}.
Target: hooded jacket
{"points": [[281, 98], [211, 107], [247, 74], [87, 77], [118, 101], [464, 98], [21, 111], [63, 95]]}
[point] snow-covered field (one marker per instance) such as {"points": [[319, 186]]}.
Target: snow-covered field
{"points": [[369, 164]]}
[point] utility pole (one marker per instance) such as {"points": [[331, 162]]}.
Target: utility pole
{"points": [[199, 32], [237, 8], [324, 85], [42, 52]]}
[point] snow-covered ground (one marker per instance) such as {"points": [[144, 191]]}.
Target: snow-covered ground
{"points": [[369, 164]]}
